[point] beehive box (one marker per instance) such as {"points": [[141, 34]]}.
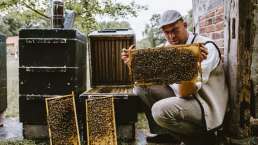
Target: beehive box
{"points": [[3, 74], [109, 77], [51, 62], [106, 66], [125, 104], [164, 65], [100, 121], [62, 120]]}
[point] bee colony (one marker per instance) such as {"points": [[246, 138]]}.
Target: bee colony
{"points": [[62, 120], [100, 121], [164, 65]]}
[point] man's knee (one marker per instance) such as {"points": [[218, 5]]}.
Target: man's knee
{"points": [[162, 115]]}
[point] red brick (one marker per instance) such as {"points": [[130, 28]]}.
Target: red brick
{"points": [[202, 30], [202, 23], [210, 14], [209, 21], [210, 28], [220, 26], [222, 34], [220, 10], [220, 42], [202, 17], [219, 18], [216, 35]]}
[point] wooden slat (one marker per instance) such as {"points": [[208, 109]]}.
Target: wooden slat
{"points": [[120, 63], [117, 61], [113, 61], [108, 62], [102, 60]]}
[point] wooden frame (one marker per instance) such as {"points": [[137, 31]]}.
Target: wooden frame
{"points": [[104, 137], [165, 65], [58, 135]]}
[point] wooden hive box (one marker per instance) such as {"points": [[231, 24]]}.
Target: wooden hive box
{"points": [[109, 76], [3, 74], [51, 62]]}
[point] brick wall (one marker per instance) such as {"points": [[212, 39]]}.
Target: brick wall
{"points": [[209, 20], [212, 25]]}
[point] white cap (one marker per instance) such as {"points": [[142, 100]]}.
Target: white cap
{"points": [[169, 17]]}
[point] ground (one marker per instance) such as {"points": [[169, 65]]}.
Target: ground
{"points": [[11, 133]]}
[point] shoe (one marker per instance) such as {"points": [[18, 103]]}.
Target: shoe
{"points": [[162, 138]]}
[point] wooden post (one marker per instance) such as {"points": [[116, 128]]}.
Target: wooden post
{"points": [[239, 39]]}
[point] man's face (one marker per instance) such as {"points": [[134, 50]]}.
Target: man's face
{"points": [[176, 33]]}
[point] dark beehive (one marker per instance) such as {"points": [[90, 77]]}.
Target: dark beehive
{"points": [[3, 75], [110, 76], [51, 62]]}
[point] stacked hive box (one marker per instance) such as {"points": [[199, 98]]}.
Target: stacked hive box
{"points": [[51, 62], [3, 77], [110, 77]]}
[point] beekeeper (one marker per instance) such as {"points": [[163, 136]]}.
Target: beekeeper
{"points": [[174, 115]]}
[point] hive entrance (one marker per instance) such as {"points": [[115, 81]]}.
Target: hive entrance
{"points": [[100, 121], [114, 90]]}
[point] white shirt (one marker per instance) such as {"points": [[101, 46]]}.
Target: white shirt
{"points": [[207, 65]]}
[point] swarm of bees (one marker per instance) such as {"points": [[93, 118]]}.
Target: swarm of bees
{"points": [[100, 121], [164, 65], [62, 120]]}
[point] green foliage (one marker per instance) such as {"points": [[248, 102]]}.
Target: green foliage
{"points": [[22, 142], [86, 10], [153, 35], [13, 21], [113, 25], [189, 19]]}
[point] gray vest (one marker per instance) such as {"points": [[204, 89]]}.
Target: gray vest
{"points": [[213, 95]]}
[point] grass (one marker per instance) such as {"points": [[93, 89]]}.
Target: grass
{"points": [[22, 142]]}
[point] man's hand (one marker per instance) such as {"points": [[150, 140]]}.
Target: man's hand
{"points": [[204, 53], [125, 54]]}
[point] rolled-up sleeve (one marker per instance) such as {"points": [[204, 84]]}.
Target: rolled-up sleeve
{"points": [[208, 65]]}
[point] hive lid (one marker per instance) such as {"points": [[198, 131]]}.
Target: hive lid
{"points": [[113, 33], [51, 33]]}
